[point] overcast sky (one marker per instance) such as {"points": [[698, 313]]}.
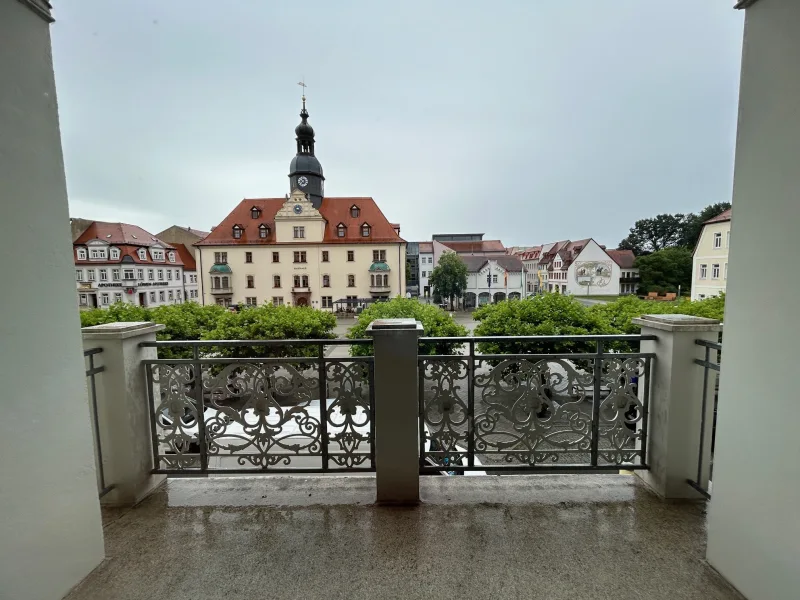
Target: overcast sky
{"points": [[529, 120]]}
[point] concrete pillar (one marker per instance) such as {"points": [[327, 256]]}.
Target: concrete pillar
{"points": [[123, 410], [676, 393], [396, 409], [51, 534]]}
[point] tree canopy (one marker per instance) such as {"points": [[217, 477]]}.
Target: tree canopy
{"points": [[449, 278], [665, 270], [435, 323]]}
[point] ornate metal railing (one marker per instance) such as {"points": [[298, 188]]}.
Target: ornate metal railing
{"points": [[91, 372], [570, 403], [705, 455], [274, 406]]}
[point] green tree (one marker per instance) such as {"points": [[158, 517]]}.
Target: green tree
{"points": [[435, 323], [618, 314], [660, 232], [665, 270], [268, 322], [548, 314], [449, 278]]}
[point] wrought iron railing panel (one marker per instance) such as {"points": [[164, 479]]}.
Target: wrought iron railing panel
{"points": [[522, 412], [291, 414]]}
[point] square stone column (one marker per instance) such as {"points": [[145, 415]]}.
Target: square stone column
{"points": [[676, 395], [396, 418], [122, 408]]}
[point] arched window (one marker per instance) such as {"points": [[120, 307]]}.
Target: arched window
{"points": [[365, 230], [340, 230], [215, 283], [255, 212], [263, 231], [355, 211], [326, 281], [385, 281], [237, 232], [351, 281]]}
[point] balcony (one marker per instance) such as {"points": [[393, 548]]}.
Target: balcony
{"points": [[221, 291], [636, 279], [379, 289], [301, 289]]}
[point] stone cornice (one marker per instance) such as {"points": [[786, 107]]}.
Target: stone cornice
{"points": [[744, 4], [41, 8]]}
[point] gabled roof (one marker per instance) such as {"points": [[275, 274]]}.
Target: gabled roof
{"points": [[118, 234], [333, 210], [725, 215], [186, 256], [507, 262], [196, 232], [624, 258], [468, 247]]}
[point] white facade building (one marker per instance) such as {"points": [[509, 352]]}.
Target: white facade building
{"points": [[710, 259], [585, 268], [493, 279]]}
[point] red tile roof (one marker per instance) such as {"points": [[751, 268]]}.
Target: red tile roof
{"points": [[725, 215], [333, 210], [119, 233], [186, 257], [624, 258]]}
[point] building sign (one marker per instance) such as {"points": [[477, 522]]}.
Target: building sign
{"points": [[593, 273], [148, 283]]}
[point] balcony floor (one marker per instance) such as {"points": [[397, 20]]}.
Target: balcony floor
{"points": [[546, 536]]}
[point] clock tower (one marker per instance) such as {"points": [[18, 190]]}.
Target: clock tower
{"points": [[305, 172]]}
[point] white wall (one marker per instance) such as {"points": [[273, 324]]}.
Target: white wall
{"points": [[50, 530], [754, 520], [592, 252]]}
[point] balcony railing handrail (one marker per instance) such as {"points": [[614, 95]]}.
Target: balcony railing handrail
{"points": [[228, 343], [543, 338]]}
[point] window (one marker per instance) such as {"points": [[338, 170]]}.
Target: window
{"points": [[728, 239], [351, 255], [276, 257], [340, 230], [717, 240], [355, 211], [161, 274], [152, 296], [104, 299], [726, 270], [276, 281], [98, 253], [351, 281], [263, 231], [90, 274], [255, 213], [251, 301], [142, 254], [379, 255], [216, 283], [225, 283], [424, 273], [327, 302], [251, 281], [365, 230], [324, 256], [171, 257], [385, 281], [157, 254], [494, 278], [703, 271], [161, 296], [150, 274], [81, 253], [115, 254], [301, 281], [177, 274], [299, 232], [300, 256], [220, 258], [248, 257], [169, 274], [171, 296], [237, 232], [78, 274], [83, 300], [714, 271], [326, 281], [277, 300], [701, 296], [140, 274], [127, 274]]}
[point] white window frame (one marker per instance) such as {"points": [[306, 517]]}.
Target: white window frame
{"points": [[161, 274], [703, 271], [152, 296], [81, 253], [142, 254], [171, 257], [299, 232], [90, 275], [161, 296], [117, 297], [104, 299], [83, 300], [79, 275], [114, 253], [115, 274], [718, 240], [140, 274], [127, 274], [715, 271], [103, 274]]}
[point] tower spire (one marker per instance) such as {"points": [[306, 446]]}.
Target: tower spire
{"points": [[305, 172]]}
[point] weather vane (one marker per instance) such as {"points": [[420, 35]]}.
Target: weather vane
{"points": [[302, 83]]}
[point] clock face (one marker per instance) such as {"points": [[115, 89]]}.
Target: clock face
{"points": [[298, 209], [302, 181]]}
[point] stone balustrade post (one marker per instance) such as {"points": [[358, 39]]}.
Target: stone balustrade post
{"points": [[676, 394], [396, 409], [122, 408]]}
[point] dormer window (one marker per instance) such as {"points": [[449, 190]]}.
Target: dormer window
{"points": [[237, 232], [81, 253], [263, 231], [142, 254], [157, 254], [115, 254], [341, 230], [355, 211], [365, 230], [255, 212], [171, 257]]}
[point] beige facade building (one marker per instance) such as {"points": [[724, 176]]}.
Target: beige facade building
{"points": [[304, 249], [710, 264]]}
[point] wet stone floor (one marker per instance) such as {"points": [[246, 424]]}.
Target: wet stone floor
{"points": [[534, 536]]}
